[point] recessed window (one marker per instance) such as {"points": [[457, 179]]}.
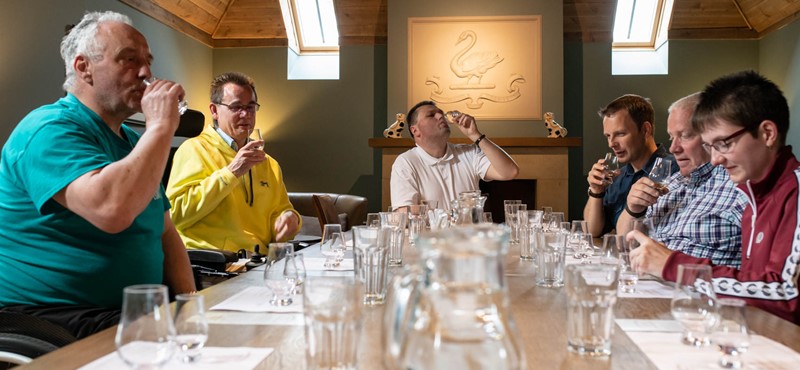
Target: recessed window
{"points": [[635, 22], [313, 39], [317, 25], [312, 25], [640, 37]]}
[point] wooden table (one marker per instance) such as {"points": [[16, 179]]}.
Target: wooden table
{"points": [[540, 314]]}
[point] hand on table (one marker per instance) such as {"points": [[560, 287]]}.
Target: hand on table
{"points": [[650, 256]]}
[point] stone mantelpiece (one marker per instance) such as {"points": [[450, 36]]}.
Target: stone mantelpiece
{"points": [[540, 158]]}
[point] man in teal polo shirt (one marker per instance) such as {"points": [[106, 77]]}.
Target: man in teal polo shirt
{"points": [[82, 212]]}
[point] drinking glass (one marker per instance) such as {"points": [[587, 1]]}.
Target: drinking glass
{"points": [[190, 325], [731, 335], [183, 105], [591, 296], [371, 260], [535, 217], [583, 244], [145, 332], [281, 279], [451, 116], [374, 219], [416, 222], [298, 264], [511, 212], [256, 136], [279, 251], [627, 277], [333, 315], [576, 229], [644, 226], [611, 164], [432, 204], [579, 226], [612, 243], [694, 303], [555, 220], [395, 225], [487, 217], [332, 248], [661, 172], [332, 244], [527, 235], [550, 257]]}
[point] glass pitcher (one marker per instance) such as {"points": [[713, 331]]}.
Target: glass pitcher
{"points": [[452, 311], [469, 207]]}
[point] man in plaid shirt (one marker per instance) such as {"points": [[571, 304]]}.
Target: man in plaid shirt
{"points": [[700, 213]]}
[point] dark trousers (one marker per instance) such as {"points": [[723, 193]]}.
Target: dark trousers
{"points": [[80, 321]]}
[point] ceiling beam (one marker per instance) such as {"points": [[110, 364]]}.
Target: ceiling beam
{"points": [[170, 20]]}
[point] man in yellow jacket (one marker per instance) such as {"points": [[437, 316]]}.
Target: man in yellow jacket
{"points": [[225, 191]]}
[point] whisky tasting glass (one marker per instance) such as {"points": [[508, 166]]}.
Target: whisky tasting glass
{"points": [[731, 335], [191, 326], [183, 105], [694, 304], [145, 332], [611, 168], [660, 174]]}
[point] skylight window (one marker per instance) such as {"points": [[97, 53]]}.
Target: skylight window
{"points": [[316, 28], [635, 21], [640, 37], [311, 28]]}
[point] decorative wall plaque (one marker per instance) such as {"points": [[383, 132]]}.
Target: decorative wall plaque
{"points": [[489, 67]]}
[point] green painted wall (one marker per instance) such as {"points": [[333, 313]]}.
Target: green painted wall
{"points": [[31, 69], [318, 130], [779, 60]]}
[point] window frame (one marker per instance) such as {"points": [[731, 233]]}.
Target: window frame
{"points": [[298, 32], [657, 37]]}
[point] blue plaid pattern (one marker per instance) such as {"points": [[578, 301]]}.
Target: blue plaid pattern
{"points": [[701, 216]]}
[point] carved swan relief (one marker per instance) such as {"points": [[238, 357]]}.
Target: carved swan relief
{"points": [[475, 65]]}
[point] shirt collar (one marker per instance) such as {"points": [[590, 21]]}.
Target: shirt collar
{"points": [[700, 174], [228, 139], [432, 161]]}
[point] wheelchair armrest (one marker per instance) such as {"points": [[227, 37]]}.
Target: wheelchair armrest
{"points": [[203, 256]]}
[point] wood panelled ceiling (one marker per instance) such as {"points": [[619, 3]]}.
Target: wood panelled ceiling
{"points": [[251, 23], [592, 20]]}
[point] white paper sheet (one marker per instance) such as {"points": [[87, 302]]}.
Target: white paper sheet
{"points": [[318, 264], [667, 352], [254, 318], [213, 358], [664, 326], [256, 299], [649, 289]]}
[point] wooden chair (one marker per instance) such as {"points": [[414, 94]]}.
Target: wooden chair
{"points": [[326, 211]]}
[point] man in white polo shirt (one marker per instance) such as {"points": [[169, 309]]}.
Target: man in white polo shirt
{"points": [[436, 170]]}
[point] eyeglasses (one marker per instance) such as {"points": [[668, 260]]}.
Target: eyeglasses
{"points": [[723, 146], [238, 108]]}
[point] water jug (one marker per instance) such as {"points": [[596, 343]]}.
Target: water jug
{"points": [[452, 311]]}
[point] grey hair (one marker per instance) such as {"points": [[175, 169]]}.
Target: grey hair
{"points": [[82, 40], [688, 103]]}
